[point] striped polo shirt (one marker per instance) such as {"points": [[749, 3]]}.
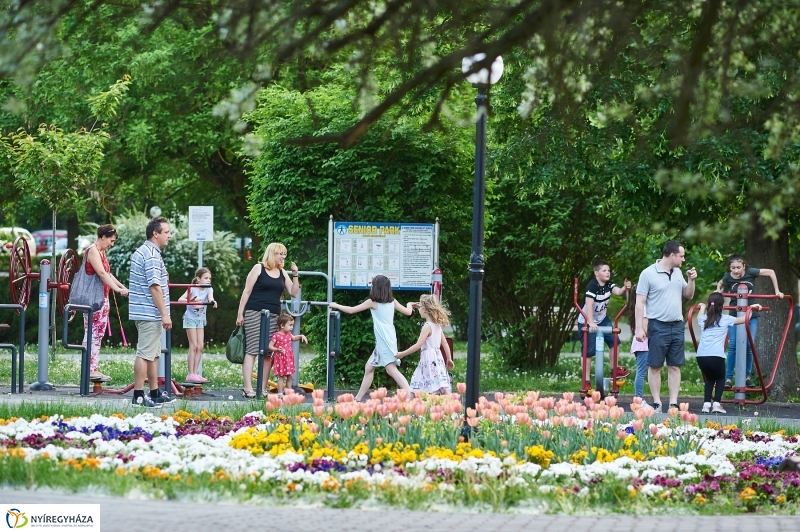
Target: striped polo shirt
{"points": [[147, 269]]}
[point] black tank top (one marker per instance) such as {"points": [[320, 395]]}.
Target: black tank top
{"points": [[267, 293]]}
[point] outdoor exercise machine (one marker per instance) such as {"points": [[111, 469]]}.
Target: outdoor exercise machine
{"points": [[296, 308], [17, 367], [601, 384], [165, 362], [744, 337], [21, 279]]}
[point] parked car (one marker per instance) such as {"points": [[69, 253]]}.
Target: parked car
{"points": [[44, 239], [61, 247], [8, 235]]}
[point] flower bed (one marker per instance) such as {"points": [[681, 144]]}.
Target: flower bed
{"points": [[518, 452]]}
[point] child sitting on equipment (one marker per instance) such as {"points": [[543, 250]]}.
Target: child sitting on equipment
{"points": [[598, 294]]}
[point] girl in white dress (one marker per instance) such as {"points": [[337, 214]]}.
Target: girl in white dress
{"points": [[382, 305], [431, 374]]}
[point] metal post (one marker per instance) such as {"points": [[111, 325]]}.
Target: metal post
{"points": [[295, 308], [263, 346], [334, 340], [44, 328], [740, 378], [200, 254], [167, 351], [476, 263]]}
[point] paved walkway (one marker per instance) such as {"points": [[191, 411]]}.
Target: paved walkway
{"points": [[122, 515]]}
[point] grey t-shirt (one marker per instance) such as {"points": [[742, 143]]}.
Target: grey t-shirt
{"points": [[664, 291]]}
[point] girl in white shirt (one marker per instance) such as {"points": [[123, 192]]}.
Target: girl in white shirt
{"points": [[711, 351]]}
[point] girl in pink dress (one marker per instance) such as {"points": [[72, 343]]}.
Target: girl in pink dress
{"points": [[281, 345], [431, 374]]}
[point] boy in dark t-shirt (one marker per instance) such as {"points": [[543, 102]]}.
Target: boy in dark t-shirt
{"points": [[598, 294]]}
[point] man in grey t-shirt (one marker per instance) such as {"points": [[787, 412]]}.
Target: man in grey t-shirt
{"points": [[661, 287]]}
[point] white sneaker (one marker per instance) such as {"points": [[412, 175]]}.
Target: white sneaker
{"points": [[707, 408], [717, 409], [644, 404]]}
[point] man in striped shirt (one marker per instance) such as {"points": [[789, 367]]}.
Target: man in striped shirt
{"points": [[149, 310]]}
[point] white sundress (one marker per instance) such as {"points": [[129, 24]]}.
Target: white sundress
{"points": [[385, 336], [431, 374]]}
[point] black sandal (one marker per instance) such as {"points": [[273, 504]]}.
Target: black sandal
{"points": [[251, 395]]}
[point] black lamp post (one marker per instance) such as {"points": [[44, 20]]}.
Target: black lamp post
{"points": [[481, 80]]}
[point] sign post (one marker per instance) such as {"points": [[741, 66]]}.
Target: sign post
{"points": [[402, 252], [201, 228]]}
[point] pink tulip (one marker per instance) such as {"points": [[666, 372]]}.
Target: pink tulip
{"points": [[596, 395], [383, 410], [402, 394], [314, 428], [546, 434], [471, 412], [318, 402], [589, 424], [653, 430], [473, 422], [684, 407], [318, 394], [621, 434], [568, 421], [498, 396], [616, 412], [673, 412], [318, 410], [588, 401], [685, 416], [269, 407], [541, 414], [404, 420], [637, 400], [461, 387], [692, 418], [401, 430], [436, 416], [345, 398], [569, 396], [611, 400], [638, 424]]}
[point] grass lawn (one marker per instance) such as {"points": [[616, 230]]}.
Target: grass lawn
{"points": [[495, 375]]}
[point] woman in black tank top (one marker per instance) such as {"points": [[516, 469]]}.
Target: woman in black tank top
{"points": [[263, 288]]}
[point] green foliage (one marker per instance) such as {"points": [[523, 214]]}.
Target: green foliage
{"points": [[180, 256], [54, 166], [394, 173]]}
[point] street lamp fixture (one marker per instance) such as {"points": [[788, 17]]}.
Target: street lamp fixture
{"points": [[481, 79]]}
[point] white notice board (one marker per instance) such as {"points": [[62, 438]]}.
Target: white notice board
{"points": [[201, 224], [402, 252]]}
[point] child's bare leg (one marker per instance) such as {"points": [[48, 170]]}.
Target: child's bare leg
{"points": [[198, 349], [393, 372], [366, 382], [281, 384], [191, 359]]}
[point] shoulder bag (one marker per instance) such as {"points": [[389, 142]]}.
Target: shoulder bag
{"points": [[87, 290], [234, 350]]}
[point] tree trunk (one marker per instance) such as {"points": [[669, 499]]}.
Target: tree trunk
{"points": [[765, 252]]}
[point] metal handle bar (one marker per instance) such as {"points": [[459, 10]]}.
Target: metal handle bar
{"points": [[85, 350], [757, 296]]}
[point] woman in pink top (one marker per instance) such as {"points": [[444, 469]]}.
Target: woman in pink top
{"points": [[639, 350], [97, 264]]}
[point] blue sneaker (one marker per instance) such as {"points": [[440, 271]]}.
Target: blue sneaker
{"points": [[144, 402], [164, 399]]}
